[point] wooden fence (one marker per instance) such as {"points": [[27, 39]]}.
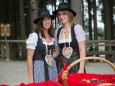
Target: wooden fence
{"points": [[6, 48], [94, 47], [101, 47]]}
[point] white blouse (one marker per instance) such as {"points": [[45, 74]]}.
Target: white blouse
{"points": [[79, 32], [32, 40]]}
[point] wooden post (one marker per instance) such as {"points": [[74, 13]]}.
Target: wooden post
{"points": [[2, 51], [5, 32], [7, 51]]}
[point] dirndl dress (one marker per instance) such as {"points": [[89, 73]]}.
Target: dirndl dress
{"points": [[42, 71]]}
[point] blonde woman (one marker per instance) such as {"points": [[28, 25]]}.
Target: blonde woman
{"points": [[70, 39]]}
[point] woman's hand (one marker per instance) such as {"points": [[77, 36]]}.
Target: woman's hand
{"points": [[80, 71], [56, 51]]}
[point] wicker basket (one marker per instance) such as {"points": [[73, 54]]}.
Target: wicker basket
{"points": [[75, 79]]}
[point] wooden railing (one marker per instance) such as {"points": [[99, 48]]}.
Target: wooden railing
{"points": [[91, 47], [5, 47], [101, 47]]}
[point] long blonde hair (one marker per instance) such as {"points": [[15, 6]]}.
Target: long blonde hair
{"points": [[71, 18]]}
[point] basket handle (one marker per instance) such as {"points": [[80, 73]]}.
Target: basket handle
{"points": [[91, 58], [65, 73]]}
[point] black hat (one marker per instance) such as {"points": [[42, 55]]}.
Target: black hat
{"points": [[43, 12], [64, 6]]}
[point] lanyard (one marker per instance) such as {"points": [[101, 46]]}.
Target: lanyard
{"points": [[46, 46], [47, 53], [69, 36]]}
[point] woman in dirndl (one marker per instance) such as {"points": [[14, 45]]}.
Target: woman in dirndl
{"points": [[70, 39], [40, 46]]}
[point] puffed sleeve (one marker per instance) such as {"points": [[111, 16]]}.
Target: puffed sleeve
{"points": [[79, 32], [32, 40]]}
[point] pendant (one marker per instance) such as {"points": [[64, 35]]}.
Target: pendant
{"points": [[49, 59], [67, 52]]}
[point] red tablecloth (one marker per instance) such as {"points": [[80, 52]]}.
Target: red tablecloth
{"points": [[46, 83], [76, 79]]}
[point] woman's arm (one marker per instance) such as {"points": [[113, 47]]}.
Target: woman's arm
{"points": [[80, 36], [30, 53], [56, 51], [82, 51], [31, 44]]}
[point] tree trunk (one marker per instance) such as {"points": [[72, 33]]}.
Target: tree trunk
{"points": [[22, 19], [33, 12], [90, 23], [90, 20], [28, 19], [76, 5], [95, 20], [107, 22], [22, 48], [112, 2], [112, 20]]}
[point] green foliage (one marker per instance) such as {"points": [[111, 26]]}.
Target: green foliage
{"points": [[100, 33]]}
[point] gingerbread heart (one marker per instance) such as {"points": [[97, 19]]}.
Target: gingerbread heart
{"points": [[67, 52], [49, 59]]}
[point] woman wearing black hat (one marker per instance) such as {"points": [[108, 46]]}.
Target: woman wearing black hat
{"points": [[70, 39], [40, 46]]}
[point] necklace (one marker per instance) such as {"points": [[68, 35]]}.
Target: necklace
{"points": [[67, 51]]}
